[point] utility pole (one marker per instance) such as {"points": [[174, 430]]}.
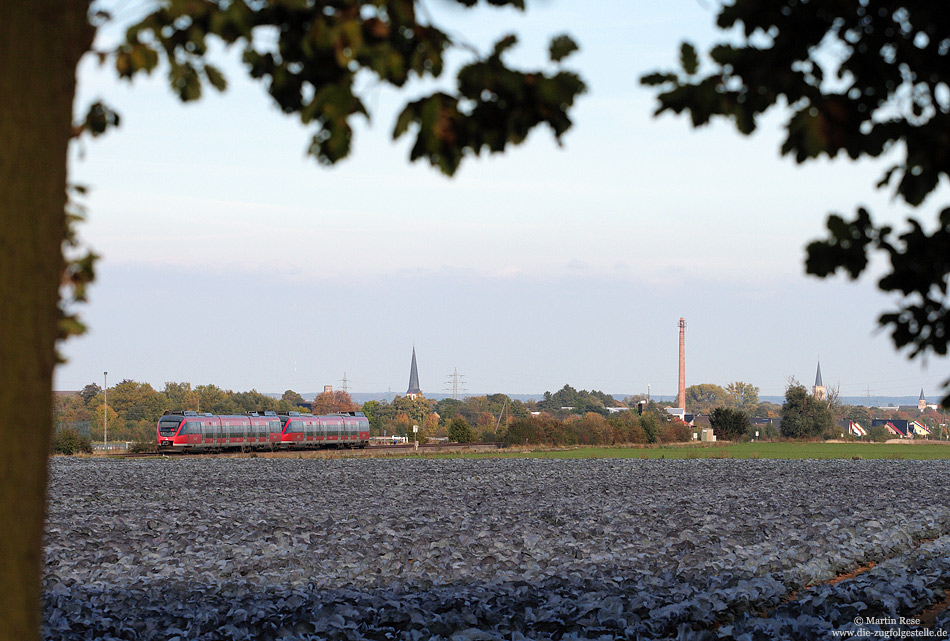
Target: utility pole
{"points": [[346, 383], [506, 413], [105, 414], [456, 384]]}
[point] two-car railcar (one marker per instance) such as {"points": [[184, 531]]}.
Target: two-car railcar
{"points": [[188, 430]]}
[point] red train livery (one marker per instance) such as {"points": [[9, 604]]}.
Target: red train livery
{"points": [[183, 430]]}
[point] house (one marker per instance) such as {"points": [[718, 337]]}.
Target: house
{"points": [[902, 428], [852, 428], [757, 422], [678, 412], [919, 429], [894, 427]]}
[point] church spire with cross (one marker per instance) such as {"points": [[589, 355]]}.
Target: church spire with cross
{"points": [[413, 390]]}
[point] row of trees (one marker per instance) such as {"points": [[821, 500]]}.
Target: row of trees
{"points": [[591, 428], [702, 398], [805, 416], [134, 408], [802, 416], [580, 402]]}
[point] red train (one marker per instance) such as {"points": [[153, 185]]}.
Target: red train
{"points": [[182, 430]]}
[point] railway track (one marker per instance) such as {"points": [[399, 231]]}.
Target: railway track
{"points": [[370, 450]]}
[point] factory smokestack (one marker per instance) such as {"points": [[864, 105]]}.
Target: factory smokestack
{"points": [[681, 392]]}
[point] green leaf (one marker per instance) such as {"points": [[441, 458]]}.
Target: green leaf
{"points": [[216, 78], [657, 78], [99, 118], [688, 59], [406, 118], [561, 47], [504, 44]]}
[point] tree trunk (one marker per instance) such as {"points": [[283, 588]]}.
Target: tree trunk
{"points": [[41, 42]]}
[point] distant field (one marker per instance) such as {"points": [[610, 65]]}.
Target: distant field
{"points": [[761, 450]]}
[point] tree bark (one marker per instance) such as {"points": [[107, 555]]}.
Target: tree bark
{"points": [[41, 42]]}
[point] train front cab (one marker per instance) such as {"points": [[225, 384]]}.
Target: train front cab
{"points": [[182, 430], [169, 427], [302, 430], [191, 430]]}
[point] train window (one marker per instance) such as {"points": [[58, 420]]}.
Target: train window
{"points": [[168, 427]]}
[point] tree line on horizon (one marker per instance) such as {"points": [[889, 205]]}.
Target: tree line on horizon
{"points": [[565, 417]]}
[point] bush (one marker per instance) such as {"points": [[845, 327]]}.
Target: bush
{"points": [[651, 423], [460, 431], [879, 434], [68, 441], [536, 430], [625, 428], [488, 435], [675, 432], [141, 446], [729, 424]]}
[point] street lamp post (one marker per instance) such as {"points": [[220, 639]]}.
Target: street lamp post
{"points": [[105, 414]]}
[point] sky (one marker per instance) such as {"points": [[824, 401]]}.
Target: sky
{"points": [[229, 257]]}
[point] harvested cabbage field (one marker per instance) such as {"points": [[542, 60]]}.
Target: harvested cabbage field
{"points": [[495, 549]]}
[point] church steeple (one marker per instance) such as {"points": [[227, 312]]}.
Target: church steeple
{"points": [[413, 390], [922, 403], [818, 391]]}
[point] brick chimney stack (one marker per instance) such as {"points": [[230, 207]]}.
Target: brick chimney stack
{"points": [[681, 393]]}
